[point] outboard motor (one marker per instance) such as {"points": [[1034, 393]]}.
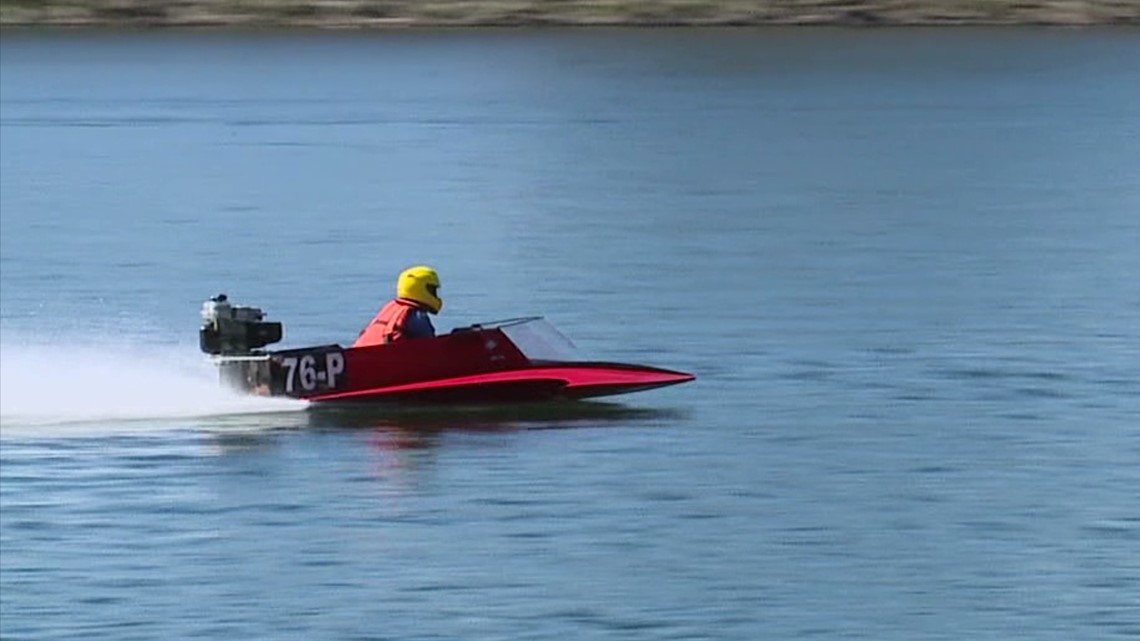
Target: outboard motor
{"points": [[234, 330]]}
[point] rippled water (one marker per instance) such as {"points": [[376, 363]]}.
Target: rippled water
{"points": [[902, 264]]}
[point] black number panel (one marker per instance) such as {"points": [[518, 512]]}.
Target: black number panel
{"points": [[301, 373]]}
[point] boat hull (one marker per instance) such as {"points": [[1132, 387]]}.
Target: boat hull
{"points": [[481, 365], [564, 381]]}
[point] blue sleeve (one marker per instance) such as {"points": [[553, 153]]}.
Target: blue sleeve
{"points": [[418, 325]]}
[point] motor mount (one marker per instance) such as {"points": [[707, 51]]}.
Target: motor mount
{"points": [[235, 330]]}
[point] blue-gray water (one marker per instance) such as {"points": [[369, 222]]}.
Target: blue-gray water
{"points": [[903, 264]]}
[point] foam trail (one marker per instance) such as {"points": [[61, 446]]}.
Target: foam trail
{"points": [[66, 382]]}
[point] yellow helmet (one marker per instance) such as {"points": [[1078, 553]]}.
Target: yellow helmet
{"points": [[420, 284]]}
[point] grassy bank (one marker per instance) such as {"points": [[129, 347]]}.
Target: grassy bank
{"points": [[366, 14]]}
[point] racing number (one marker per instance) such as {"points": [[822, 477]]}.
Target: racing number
{"points": [[311, 372]]}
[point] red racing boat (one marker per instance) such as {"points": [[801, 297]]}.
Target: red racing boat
{"points": [[516, 360]]}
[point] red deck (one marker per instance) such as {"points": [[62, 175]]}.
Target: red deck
{"points": [[477, 365]]}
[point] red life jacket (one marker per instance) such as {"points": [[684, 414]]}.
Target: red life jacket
{"points": [[388, 326]]}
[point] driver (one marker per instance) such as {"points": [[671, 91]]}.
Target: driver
{"points": [[417, 295]]}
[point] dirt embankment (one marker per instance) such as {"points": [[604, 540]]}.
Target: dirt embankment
{"points": [[371, 14]]}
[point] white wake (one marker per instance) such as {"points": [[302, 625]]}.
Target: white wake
{"points": [[110, 381]]}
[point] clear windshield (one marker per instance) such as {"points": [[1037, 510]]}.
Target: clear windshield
{"points": [[538, 340]]}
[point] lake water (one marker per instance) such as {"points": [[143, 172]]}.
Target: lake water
{"points": [[904, 265]]}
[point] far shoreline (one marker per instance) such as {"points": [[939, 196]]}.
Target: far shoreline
{"points": [[380, 15]]}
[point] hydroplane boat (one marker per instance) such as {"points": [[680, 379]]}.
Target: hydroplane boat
{"points": [[506, 361]]}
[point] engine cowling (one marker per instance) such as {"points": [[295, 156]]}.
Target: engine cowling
{"points": [[235, 330]]}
